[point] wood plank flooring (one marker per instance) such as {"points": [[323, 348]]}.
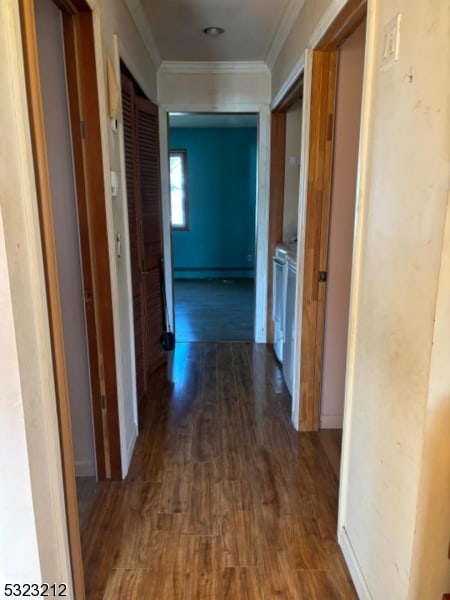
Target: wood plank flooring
{"points": [[224, 500], [331, 441], [86, 488], [211, 310]]}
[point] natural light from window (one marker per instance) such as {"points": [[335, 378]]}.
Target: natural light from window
{"points": [[178, 200]]}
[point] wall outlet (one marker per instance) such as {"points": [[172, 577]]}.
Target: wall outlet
{"points": [[249, 257], [391, 42]]}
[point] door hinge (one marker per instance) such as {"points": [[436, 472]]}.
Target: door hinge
{"points": [[83, 129], [322, 276], [103, 401]]}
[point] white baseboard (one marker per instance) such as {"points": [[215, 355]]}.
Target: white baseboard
{"points": [[331, 421], [131, 442], [353, 566], [85, 468]]}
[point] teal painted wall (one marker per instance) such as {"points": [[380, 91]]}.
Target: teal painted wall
{"points": [[221, 165]]}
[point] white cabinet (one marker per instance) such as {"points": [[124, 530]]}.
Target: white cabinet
{"points": [[289, 331], [279, 299]]}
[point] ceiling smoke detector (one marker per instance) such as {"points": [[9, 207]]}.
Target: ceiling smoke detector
{"points": [[213, 31]]}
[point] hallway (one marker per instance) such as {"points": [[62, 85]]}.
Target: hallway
{"points": [[224, 500]]}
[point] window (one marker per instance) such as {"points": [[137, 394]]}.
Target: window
{"points": [[178, 190]]}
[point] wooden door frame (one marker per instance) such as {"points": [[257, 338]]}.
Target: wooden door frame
{"points": [[84, 112], [317, 201], [88, 160], [277, 174]]}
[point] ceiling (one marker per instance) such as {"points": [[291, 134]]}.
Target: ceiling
{"points": [[252, 27]]}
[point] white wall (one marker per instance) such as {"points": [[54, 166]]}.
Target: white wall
{"points": [[19, 558], [403, 202], [120, 38], [33, 542], [115, 19], [59, 149], [307, 22], [431, 567], [224, 86], [342, 224], [292, 171], [391, 443]]}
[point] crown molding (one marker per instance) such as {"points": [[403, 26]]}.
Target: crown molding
{"points": [[290, 15], [192, 67], [143, 26]]}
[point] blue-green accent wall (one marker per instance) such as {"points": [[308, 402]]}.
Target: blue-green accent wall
{"points": [[221, 165]]}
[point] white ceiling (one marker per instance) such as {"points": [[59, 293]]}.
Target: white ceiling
{"points": [[212, 120], [252, 27]]}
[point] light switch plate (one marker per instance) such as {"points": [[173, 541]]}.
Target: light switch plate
{"points": [[114, 184], [391, 42]]}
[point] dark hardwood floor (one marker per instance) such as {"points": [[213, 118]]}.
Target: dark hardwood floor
{"points": [[224, 499], [212, 310]]}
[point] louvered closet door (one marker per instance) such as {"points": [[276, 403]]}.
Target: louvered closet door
{"points": [[150, 196], [135, 231]]}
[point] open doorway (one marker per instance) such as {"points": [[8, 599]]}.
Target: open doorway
{"points": [[62, 92], [334, 75], [350, 71], [50, 45], [331, 82], [213, 165]]}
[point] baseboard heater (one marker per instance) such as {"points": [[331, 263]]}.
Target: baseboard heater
{"points": [[184, 269]]}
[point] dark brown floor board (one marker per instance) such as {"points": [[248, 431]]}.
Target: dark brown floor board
{"points": [[224, 499]]}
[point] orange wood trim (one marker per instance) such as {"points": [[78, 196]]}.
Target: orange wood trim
{"points": [[277, 166], [73, 7], [324, 79], [352, 15], [316, 234], [40, 158], [93, 336], [96, 199]]}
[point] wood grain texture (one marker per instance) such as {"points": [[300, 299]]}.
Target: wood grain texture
{"points": [[224, 500], [43, 189], [142, 163], [316, 235], [331, 441], [350, 17], [96, 199], [135, 232], [72, 68]]}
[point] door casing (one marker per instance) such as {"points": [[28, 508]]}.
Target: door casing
{"points": [[262, 202], [78, 29], [315, 185]]}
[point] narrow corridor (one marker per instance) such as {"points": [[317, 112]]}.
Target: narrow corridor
{"points": [[224, 499]]}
